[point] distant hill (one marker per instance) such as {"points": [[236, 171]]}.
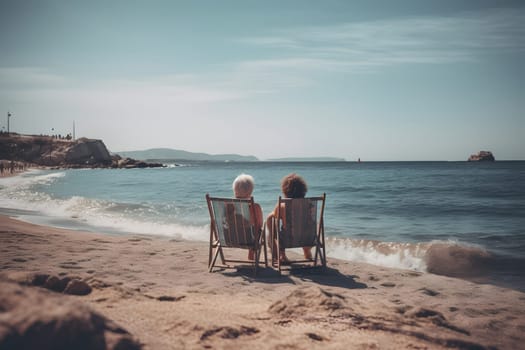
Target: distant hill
{"points": [[308, 159], [175, 154]]}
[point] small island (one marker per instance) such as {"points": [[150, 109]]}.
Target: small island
{"points": [[482, 156]]}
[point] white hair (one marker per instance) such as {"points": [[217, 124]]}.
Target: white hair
{"points": [[243, 186]]}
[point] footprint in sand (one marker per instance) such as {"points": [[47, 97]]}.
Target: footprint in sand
{"points": [[429, 292], [70, 265], [170, 298], [314, 336], [403, 309], [229, 332], [66, 285], [413, 274], [98, 240], [436, 318], [388, 284], [283, 322]]}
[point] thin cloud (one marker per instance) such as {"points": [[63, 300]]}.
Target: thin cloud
{"points": [[363, 45], [299, 57], [29, 77], [181, 89]]}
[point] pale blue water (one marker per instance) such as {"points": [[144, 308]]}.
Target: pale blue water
{"points": [[453, 218]]}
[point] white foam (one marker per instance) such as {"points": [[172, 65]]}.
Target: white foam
{"points": [[107, 216], [29, 178], [389, 254], [77, 211]]}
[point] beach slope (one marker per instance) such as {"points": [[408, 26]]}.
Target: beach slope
{"points": [[158, 289]]}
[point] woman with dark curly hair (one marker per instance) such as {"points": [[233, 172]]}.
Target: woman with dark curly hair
{"points": [[292, 186]]}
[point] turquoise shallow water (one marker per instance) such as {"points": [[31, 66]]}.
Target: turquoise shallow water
{"points": [[454, 218]]}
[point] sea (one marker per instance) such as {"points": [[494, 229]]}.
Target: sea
{"points": [[458, 219]]}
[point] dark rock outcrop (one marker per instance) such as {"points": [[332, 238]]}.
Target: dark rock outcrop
{"points": [[34, 318], [64, 153], [66, 285], [129, 163], [482, 156]]}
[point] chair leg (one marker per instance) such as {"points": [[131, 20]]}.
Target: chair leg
{"points": [[262, 245], [210, 267], [275, 244], [223, 261], [274, 253], [210, 255], [322, 254], [265, 252], [211, 244], [256, 262], [278, 253]]}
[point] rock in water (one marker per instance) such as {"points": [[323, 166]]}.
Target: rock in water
{"points": [[482, 156]]}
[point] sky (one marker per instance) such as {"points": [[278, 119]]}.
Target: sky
{"points": [[392, 80]]}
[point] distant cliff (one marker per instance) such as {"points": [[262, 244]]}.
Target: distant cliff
{"points": [[175, 154], [482, 156], [57, 152]]}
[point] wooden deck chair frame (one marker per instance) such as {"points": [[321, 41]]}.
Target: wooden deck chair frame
{"points": [[315, 230], [235, 231]]}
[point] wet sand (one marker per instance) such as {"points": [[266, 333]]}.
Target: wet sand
{"points": [[159, 290]]}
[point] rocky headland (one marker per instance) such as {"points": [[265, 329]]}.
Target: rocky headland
{"points": [[63, 153]]}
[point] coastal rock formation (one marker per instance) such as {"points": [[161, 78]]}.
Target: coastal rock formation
{"points": [[86, 151], [33, 318], [62, 152], [481, 156], [129, 163]]}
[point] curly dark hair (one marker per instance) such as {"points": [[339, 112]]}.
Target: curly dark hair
{"points": [[293, 186]]}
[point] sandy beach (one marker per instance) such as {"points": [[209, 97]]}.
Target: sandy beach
{"points": [[158, 289]]}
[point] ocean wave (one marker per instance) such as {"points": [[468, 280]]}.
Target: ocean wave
{"points": [[103, 216], [32, 195], [19, 196], [29, 178], [458, 260], [448, 258], [389, 254]]}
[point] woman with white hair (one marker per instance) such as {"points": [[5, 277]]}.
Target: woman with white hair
{"points": [[243, 188]]}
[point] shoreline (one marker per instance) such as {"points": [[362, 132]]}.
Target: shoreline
{"points": [[464, 260], [445, 259], [159, 290]]}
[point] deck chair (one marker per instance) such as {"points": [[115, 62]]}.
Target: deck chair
{"points": [[232, 226], [299, 223]]}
